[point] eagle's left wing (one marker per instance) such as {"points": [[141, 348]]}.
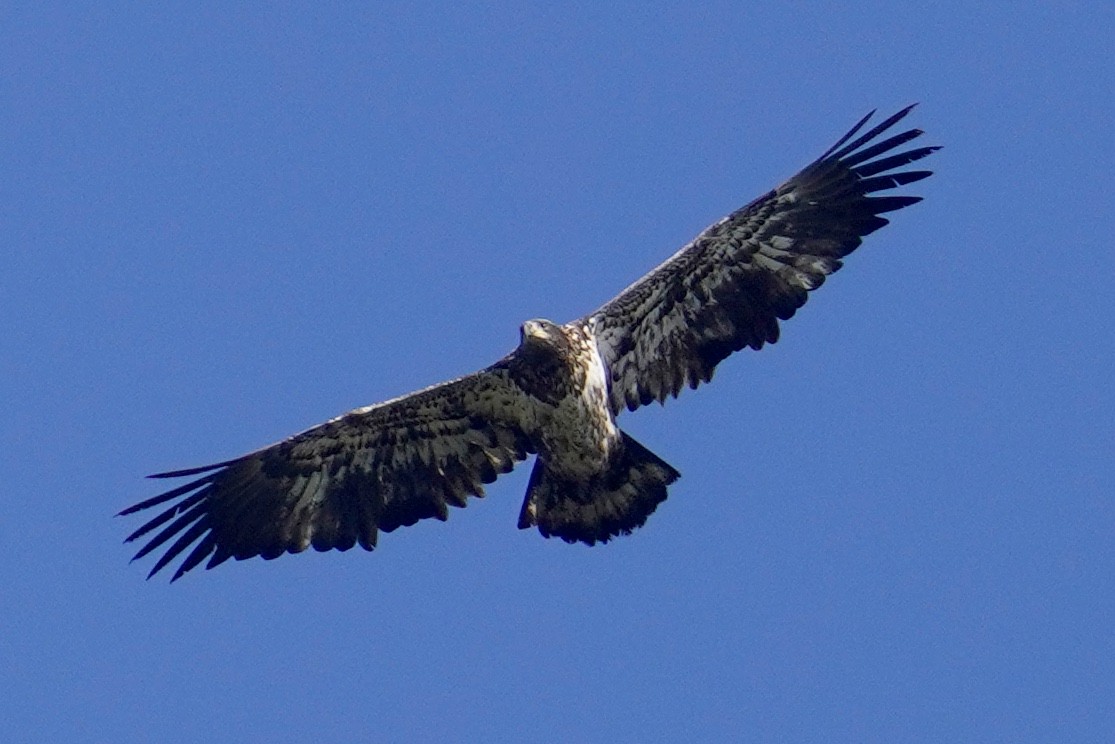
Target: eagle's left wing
{"points": [[729, 287], [339, 483]]}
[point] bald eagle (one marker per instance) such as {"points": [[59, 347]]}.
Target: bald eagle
{"points": [[557, 395]]}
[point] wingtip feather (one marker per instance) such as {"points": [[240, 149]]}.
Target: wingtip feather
{"points": [[194, 471]]}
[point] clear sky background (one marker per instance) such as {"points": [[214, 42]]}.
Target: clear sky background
{"points": [[223, 223]]}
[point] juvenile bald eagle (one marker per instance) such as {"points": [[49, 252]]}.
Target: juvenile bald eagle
{"points": [[557, 395]]}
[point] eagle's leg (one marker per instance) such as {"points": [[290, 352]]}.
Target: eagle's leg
{"points": [[613, 502]]}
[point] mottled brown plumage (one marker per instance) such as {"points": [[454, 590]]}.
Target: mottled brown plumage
{"points": [[391, 464]]}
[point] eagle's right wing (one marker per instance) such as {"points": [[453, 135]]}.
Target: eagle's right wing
{"points": [[729, 287], [339, 483]]}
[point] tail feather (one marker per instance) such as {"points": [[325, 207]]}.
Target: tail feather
{"points": [[613, 503]]}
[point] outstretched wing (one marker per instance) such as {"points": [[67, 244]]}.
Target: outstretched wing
{"points": [[338, 484], [729, 287]]}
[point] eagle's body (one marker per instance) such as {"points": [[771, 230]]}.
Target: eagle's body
{"points": [[560, 367], [557, 395], [590, 478]]}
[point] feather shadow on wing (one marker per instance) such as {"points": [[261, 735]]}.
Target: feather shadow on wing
{"points": [[377, 468]]}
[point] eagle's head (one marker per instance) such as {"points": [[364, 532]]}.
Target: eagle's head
{"points": [[539, 332], [544, 343], [542, 363]]}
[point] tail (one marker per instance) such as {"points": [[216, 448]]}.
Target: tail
{"points": [[612, 503]]}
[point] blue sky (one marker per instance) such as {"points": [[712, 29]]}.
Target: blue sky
{"points": [[222, 224]]}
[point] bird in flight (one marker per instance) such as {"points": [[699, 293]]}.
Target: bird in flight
{"points": [[557, 395]]}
